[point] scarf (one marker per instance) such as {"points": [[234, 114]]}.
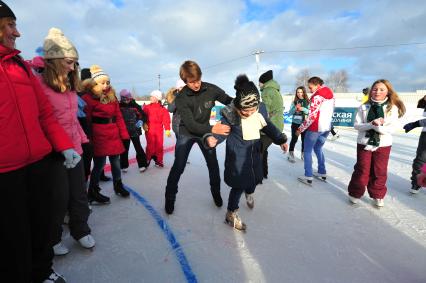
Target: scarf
{"points": [[376, 111], [252, 125]]}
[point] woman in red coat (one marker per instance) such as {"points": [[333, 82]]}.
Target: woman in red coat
{"points": [[158, 120], [108, 131], [29, 133]]}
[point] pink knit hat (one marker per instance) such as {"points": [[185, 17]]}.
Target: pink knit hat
{"points": [[124, 93]]}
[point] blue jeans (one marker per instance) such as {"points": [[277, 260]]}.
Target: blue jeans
{"points": [[314, 141]]}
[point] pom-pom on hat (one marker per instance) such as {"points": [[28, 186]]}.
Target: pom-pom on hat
{"points": [[247, 94], [57, 46], [180, 84], [85, 74], [265, 77], [97, 72], [5, 11], [124, 93], [157, 94]]}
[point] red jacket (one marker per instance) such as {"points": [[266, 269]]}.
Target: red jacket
{"points": [[106, 138], [28, 127], [158, 117]]}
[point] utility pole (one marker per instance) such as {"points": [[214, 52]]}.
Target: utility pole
{"points": [[257, 55], [159, 82]]}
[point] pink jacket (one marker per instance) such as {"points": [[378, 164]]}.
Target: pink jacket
{"points": [[65, 107]]}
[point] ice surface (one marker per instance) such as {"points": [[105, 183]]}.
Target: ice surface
{"points": [[296, 233]]}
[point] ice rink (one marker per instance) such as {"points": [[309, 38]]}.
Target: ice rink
{"points": [[295, 233]]}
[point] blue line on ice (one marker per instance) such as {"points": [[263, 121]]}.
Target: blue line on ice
{"points": [[184, 264]]}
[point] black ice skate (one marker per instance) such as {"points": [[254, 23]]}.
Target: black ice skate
{"points": [[119, 189], [94, 196]]}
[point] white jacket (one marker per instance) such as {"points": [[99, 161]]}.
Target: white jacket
{"points": [[391, 124]]}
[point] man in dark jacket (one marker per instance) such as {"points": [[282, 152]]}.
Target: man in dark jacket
{"points": [[194, 104]]}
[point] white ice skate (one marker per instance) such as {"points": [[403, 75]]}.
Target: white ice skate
{"points": [[353, 200], [291, 157], [87, 242], [250, 200], [319, 176], [305, 180], [379, 202], [142, 169], [60, 249]]}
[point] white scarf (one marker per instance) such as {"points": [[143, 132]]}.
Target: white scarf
{"points": [[252, 125]]}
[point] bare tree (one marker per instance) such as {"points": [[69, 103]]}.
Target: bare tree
{"points": [[302, 78], [338, 81]]}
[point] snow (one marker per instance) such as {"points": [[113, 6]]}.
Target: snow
{"points": [[295, 233]]}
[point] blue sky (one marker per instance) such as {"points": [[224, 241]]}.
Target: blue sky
{"points": [[135, 40]]}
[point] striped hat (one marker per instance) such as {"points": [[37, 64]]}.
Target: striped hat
{"points": [[97, 72]]}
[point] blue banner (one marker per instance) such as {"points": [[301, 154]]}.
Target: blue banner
{"points": [[342, 116]]}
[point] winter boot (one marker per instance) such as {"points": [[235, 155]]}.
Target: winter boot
{"points": [[169, 206], [94, 195], [217, 199], [104, 178], [119, 189], [291, 156], [233, 219], [250, 200]]}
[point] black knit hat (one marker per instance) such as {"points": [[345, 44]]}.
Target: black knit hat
{"points": [[265, 77], [5, 11], [246, 95], [85, 74]]}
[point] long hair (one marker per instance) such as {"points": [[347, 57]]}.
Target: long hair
{"points": [[170, 95], [55, 76], [393, 97], [305, 95]]}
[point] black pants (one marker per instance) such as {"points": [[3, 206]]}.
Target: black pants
{"points": [[70, 195], [140, 153], [294, 138], [87, 158], [182, 150], [26, 221], [419, 160], [235, 195], [266, 142]]}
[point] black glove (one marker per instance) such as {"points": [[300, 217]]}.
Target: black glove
{"points": [[408, 127]]}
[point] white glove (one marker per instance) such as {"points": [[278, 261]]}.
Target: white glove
{"points": [[71, 158]]}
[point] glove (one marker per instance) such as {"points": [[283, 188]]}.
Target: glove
{"points": [[168, 134], [139, 124], [145, 127], [408, 127], [71, 158]]}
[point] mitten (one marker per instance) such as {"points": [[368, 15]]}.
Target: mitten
{"points": [[408, 127], [139, 124], [71, 158]]}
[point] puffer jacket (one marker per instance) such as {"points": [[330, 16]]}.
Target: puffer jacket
{"points": [[131, 114], [29, 128], [273, 100], [243, 164], [106, 137], [65, 107]]}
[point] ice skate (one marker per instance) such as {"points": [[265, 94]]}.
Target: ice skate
{"points": [[87, 242], [104, 178], [302, 156], [319, 176], [142, 169], [353, 200], [55, 278], [169, 206], [335, 137], [94, 196], [159, 164], [250, 200], [415, 190], [124, 170], [217, 199], [379, 202], [119, 189], [233, 219], [291, 157], [305, 180], [60, 249]]}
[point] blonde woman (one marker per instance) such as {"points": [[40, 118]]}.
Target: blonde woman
{"points": [[375, 121]]}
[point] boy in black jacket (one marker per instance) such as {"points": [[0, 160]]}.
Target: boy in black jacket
{"points": [[194, 104], [247, 117]]}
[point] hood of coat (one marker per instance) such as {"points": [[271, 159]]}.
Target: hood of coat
{"points": [[272, 84]]}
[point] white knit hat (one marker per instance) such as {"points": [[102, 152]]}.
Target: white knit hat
{"points": [[57, 46], [157, 94], [180, 84], [97, 72]]}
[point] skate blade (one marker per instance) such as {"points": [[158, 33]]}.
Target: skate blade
{"points": [[291, 161], [304, 181], [321, 179], [243, 230]]}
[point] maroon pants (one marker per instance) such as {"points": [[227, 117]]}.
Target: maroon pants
{"points": [[371, 170]]}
